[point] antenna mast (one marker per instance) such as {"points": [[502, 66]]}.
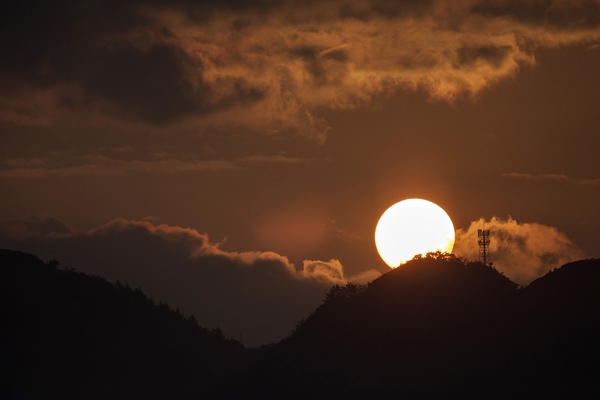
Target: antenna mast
{"points": [[484, 246]]}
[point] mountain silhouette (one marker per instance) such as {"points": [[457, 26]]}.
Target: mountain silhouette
{"points": [[67, 335], [438, 327]]}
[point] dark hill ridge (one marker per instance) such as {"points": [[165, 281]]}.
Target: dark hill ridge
{"points": [[438, 327], [567, 299], [438, 324], [431, 320], [70, 335]]}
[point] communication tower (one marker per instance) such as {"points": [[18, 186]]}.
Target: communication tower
{"points": [[484, 246]]}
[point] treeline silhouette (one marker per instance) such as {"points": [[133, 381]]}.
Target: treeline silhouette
{"points": [[438, 327]]}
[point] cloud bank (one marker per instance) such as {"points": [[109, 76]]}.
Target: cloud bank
{"points": [[522, 251], [267, 66], [258, 293]]}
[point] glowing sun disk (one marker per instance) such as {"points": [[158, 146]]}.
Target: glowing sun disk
{"points": [[411, 227]]}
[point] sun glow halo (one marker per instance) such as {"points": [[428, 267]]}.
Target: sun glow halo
{"points": [[411, 227]]}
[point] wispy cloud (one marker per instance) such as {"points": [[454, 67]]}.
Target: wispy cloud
{"points": [[588, 181], [552, 177], [97, 164], [344, 234], [333, 271], [105, 166], [272, 159]]}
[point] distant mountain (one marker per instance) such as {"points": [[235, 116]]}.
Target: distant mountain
{"points": [[67, 335], [436, 328]]}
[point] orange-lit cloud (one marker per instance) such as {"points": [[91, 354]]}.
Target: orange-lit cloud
{"points": [[522, 251], [333, 271], [268, 67]]}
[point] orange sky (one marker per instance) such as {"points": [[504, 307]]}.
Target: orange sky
{"points": [[283, 130]]}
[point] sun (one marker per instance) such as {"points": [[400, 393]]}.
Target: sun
{"points": [[411, 227]]}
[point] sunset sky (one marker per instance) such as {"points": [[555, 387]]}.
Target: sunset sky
{"points": [[233, 157]]}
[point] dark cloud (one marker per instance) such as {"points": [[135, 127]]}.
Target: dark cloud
{"points": [[149, 83], [567, 14], [101, 165], [340, 55], [365, 10], [574, 14], [528, 10], [59, 41], [259, 293], [492, 55]]}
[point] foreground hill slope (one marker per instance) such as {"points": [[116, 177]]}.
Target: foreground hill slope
{"points": [[439, 326], [70, 335]]}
